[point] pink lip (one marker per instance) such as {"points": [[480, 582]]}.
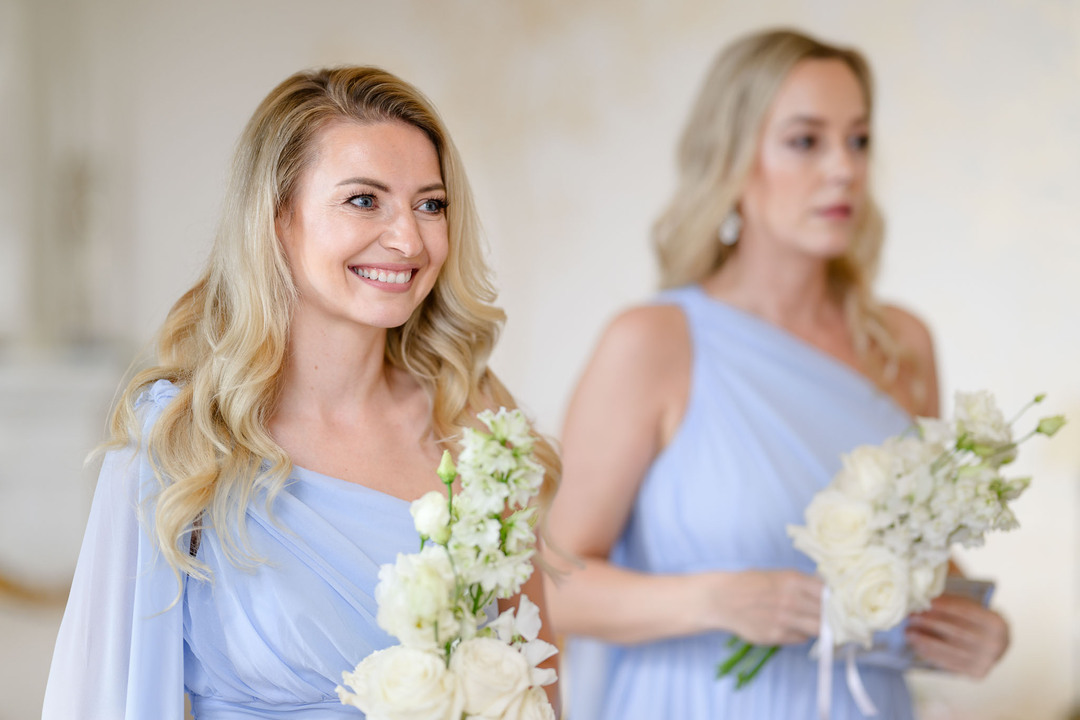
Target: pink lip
{"points": [[836, 212]]}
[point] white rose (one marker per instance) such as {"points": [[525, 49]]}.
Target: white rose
{"points": [[404, 684], [867, 472], [978, 415], [533, 705], [872, 596], [927, 582], [431, 516], [837, 527], [416, 598], [493, 675]]}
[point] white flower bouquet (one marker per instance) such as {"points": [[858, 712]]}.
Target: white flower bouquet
{"points": [[880, 532], [475, 547]]}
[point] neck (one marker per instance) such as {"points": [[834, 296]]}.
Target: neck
{"points": [[787, 288], [334, 373]]}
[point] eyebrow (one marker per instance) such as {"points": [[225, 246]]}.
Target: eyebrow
{"points": [[384, 187], [818, 122]]}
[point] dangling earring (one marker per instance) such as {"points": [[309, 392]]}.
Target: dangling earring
{"points": [[730, 228]]}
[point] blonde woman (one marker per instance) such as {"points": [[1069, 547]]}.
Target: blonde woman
{"points": [[302, 394], [706, 421]]}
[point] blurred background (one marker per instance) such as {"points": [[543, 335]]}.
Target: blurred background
{"points": [[117, 119]]}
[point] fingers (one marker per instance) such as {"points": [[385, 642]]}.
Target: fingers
{"points": [[940, 653], [959, 635]]}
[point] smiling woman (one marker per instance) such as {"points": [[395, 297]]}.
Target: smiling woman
{"points": [[260, 471]]}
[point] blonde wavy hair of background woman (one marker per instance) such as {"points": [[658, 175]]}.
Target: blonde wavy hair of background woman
{"points": [[715, 157], [224, 342]]}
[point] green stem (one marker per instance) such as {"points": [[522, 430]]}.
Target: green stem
{"points": [[1031, 403], [735, 657], [743, 678]]}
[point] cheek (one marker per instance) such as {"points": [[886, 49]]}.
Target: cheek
{"points": [[778, 187], [437, 245]]}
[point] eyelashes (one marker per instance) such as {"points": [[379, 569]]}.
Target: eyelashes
{"points": [[807, 143], [368, 201]]}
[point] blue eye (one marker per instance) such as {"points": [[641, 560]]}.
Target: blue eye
{"points": [[803, 142], [363, 201], [433, 206]]}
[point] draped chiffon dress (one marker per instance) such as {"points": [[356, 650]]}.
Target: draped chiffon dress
{"points": [[767, 420], [270, 641]]}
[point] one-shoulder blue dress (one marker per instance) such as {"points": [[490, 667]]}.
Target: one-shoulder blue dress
{"points": [[767, 420], [266, 642]]}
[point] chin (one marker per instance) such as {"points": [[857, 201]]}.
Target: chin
{"points": [[828, 246]]}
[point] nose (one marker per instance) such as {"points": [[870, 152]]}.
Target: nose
{"points": [[843, 164], [402, 234]]}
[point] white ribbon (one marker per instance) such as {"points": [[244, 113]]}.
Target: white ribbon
{"points": [[825, 660], [855, 685], [825, 670]]}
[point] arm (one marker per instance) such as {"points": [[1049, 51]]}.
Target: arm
{"points": [[117, 654], [956, 634], [628, 405]]}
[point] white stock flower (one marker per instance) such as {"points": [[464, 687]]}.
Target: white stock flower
{"points": [[978, 415], [404, 683], [532, 705], [481, 454], [524, 482], [867, 473], [431, 516], [837, 529], [416, 599], [493, 675], [937, 432], [519, 533], [509, 426], [871, 596]]}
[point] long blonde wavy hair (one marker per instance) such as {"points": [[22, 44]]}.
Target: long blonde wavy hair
{"points": [[715, 157], [223, 343]]}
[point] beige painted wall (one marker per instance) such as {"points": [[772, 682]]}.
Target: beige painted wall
{"points": [[566, 113]]}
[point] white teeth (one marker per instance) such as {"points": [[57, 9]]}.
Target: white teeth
{"points": [[392, 278]]}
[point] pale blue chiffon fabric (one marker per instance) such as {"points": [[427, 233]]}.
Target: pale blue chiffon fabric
{"points": [[767, 421], [270, 642]]}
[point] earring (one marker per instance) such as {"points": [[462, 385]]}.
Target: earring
{"points": [[730, 228]]}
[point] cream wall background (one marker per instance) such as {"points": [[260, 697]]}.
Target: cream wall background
{"points": [[117, 118]]}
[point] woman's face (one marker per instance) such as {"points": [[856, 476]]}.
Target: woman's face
{"points": [[807, 189], [366, 233]]}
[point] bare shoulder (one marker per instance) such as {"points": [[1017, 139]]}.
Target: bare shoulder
{"points": [[648, 336], [642, 365], [910, 331], [920, 368]]}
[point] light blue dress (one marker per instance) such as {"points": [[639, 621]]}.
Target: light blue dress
{"points": [[271, 642], [767, 420]]}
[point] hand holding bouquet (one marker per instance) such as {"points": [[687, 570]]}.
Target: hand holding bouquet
{"points": [[476, 547], [880, 532]]}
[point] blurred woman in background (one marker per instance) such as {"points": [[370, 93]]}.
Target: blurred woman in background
{"points": [[707, 420]]}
